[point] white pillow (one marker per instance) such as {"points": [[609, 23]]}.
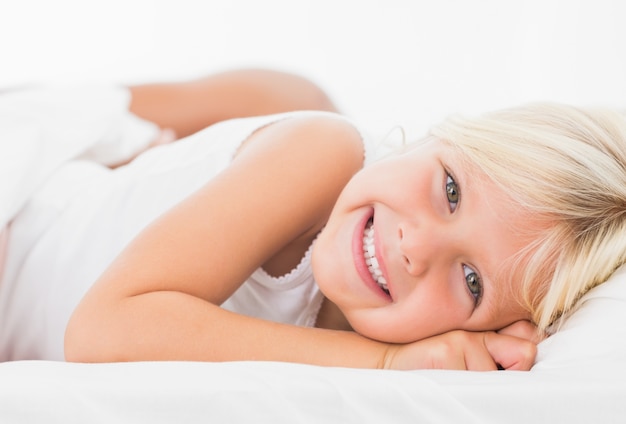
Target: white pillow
{"points": [[596, 331]]}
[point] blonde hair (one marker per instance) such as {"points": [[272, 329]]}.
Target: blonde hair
{"points": [[568, 166]]}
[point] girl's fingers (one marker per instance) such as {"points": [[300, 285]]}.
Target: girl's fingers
{"points": [[511, 352]]}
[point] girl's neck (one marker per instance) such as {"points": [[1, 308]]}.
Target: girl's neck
{"points": [[331, 317]]}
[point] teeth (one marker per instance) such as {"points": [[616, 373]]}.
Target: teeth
{"points": [[369, 252]]}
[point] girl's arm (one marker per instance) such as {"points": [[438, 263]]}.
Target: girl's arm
{"points": [[159, 299], [187, 107]]}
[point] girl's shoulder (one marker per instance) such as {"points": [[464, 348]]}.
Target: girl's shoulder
{"points": [[326, 133], [309, 156]]}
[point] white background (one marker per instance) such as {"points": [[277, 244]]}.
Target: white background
{"points": [[384, 62]]}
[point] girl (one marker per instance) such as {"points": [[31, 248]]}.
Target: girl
{"points": [[266, 239]]}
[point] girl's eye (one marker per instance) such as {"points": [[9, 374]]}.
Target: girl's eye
{"points": [[452, 192], [472, 279]]}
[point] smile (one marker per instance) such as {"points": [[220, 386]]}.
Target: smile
{"points": [[369, 252]]}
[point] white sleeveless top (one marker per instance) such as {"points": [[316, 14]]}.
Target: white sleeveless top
{"points": [[75, 225], [293, 298]]}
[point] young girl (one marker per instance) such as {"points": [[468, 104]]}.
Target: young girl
{"points": [[265, 238]]}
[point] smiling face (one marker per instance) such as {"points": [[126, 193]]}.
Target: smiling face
{"points": [[415, 247]]}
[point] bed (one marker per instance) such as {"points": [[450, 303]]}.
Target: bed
{"points": [[579, 377]]}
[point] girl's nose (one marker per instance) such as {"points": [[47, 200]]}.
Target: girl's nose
{"points": [[417, 247]]}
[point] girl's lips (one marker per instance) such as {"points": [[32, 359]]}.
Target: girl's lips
{"points": [[359, 258]]}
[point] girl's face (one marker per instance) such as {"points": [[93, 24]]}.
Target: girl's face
{"points": [[414, 247]]}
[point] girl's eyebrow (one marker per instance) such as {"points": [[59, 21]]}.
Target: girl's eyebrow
{"points": [[461, 170], [466, 188]]}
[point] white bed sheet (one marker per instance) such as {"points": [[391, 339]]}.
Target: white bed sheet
{"points": [[263, 392]]}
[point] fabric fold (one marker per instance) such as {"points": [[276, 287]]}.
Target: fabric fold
{"points": [[40, 129]]}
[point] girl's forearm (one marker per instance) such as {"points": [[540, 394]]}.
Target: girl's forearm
{"points": [[189, 106], [171, 325]]}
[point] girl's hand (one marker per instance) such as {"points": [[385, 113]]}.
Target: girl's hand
{"points": [[166, 136], [464, 350]]}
